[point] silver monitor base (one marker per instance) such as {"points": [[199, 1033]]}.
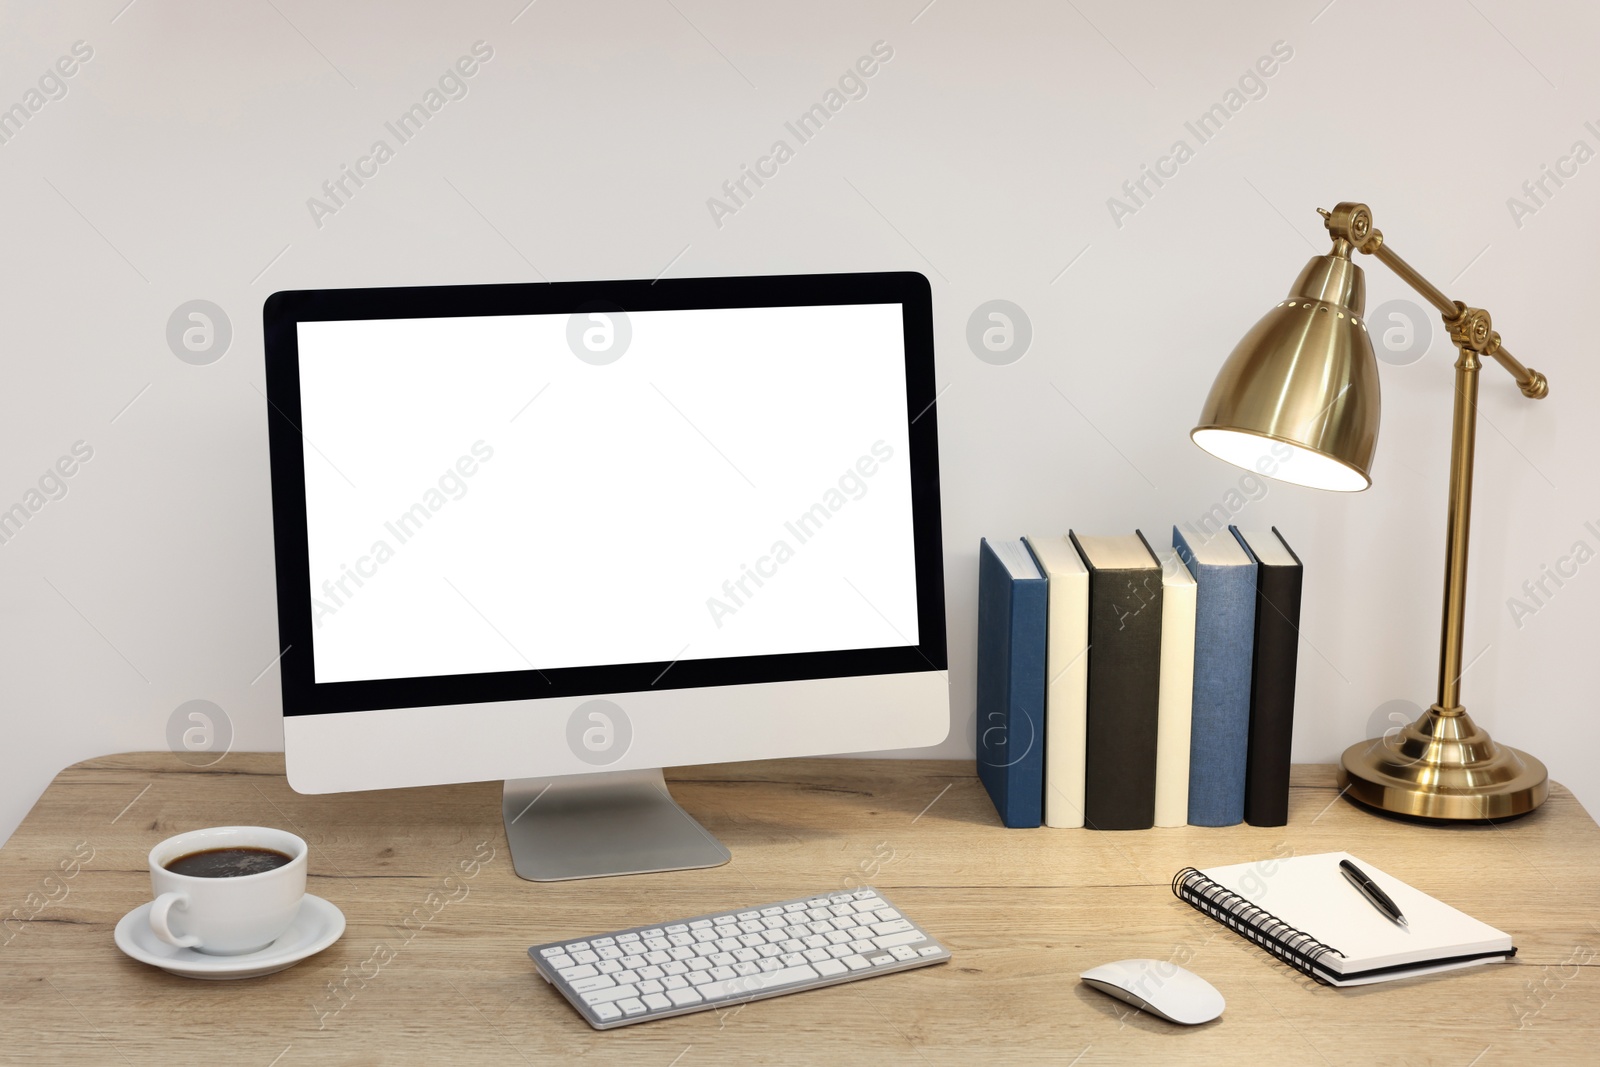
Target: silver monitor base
{"points": [[602, 824]]}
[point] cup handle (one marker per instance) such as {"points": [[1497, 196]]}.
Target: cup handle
{"points": [[158, 920]]}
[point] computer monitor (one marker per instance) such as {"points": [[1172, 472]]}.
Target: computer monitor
{"points": [[569, 534]]}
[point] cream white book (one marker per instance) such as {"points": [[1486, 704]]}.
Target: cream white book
{"points": [[1176, 704], [1066, 696], [1302, 910]]}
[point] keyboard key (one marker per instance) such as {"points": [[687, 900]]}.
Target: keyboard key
{"points": [[657, 958], [681, 952], [771, 911], [660, 944], [560, 961], [888, 915], [864, 944], [837, 951], [745, 916], [656, 1002], [829, 968], [723, 959], [574, 973], [606, 1012], [752, 940], [906, 937], [744, 987], [723, 974], [585, 957], [673, 981], [652, 933], [651, 972], [634, 948], [577, 946], [651, 986], [814, 955], [699, 963], [680, 928], [928, 950], [771, 963], [903, 952], [893, 927], [681, 997], [680, 939], [610, 952], [633, 1006], [747, 955], [599, 981], [553, 950], [626, 937], [880, 960], [700, 924], [768, 951], [699, 978], [675, 967], [746, 968], [609, 966], [607, 996], [855, 963], [865, 894], [600, 942], [724, 920], [796, 906], [626, 978]]}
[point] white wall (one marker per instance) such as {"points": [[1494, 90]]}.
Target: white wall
{"points": [[179, 163]]}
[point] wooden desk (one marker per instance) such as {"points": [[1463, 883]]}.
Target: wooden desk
{"points": [[1024, 911]]}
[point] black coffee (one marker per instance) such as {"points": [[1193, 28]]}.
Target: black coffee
{"points": [[228, 862]]}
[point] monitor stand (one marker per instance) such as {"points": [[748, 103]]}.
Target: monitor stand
{"points": [[602, 824]]}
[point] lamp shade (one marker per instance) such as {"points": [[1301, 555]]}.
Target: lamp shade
{"points": [[1298, 397]]}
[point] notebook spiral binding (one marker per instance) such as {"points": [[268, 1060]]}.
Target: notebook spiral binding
{"points": [[1295, 947]]}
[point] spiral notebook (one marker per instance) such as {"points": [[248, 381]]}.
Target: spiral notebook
{"points": [[1304, 912]]}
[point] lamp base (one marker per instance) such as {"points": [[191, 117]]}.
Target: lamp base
{"points": [[1443, 766]]}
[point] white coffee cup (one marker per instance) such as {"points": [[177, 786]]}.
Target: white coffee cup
{"points": [[226, 916]]}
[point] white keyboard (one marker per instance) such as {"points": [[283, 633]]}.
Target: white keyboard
{"points": [[642, 973]]}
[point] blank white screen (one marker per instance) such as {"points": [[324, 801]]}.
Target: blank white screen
{"points": [[564, 513]]}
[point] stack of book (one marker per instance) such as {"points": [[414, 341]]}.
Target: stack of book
{"points": [[1121, 687]]}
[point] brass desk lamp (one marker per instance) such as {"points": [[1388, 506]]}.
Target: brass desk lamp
{"points": [[1298, 400]]}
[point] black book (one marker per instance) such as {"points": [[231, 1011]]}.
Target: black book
{"points": [[1272, 674], [1124, 682]]}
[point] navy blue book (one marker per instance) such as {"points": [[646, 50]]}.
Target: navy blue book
{"points": [[1224, 647], [1012, 601]]}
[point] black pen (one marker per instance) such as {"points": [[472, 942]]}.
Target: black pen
{"points": [[1369, 889]]}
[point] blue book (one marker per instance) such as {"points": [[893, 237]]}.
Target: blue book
{"points": [[1224, 644], [1012, 601]]}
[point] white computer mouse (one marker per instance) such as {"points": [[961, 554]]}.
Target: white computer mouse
{"points": [[1159, 987]]}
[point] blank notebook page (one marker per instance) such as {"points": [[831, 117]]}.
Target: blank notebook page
{"points": [[1310, 894]]}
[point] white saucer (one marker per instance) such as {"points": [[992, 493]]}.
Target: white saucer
{"points": [[318, 925]]}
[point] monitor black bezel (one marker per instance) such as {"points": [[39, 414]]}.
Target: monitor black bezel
{"points": [[283, 311]]}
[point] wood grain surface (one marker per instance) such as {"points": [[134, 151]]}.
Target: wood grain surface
{"points": [[433, 966]]}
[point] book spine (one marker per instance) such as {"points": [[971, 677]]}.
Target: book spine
{"points": [[1273, 666], [1219, 738], [1010, 707], [1066, 700], [1123, 699], [1176, 702]]}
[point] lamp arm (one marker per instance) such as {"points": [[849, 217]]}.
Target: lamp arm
{"points": [[1470, 329]]}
